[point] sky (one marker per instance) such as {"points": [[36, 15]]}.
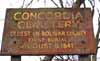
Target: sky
{"points": [[4, 4]]}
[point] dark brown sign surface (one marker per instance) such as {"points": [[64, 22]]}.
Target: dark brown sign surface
{"points": [[48, 31]]}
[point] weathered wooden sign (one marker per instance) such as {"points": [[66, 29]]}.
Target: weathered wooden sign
{"points": [[48, 31]]}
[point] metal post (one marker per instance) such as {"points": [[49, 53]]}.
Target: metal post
{"points": [[15, 58], [94, 58], [84, 58]]}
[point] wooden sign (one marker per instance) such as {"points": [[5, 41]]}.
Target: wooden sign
{"points": [[48, 31]]}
